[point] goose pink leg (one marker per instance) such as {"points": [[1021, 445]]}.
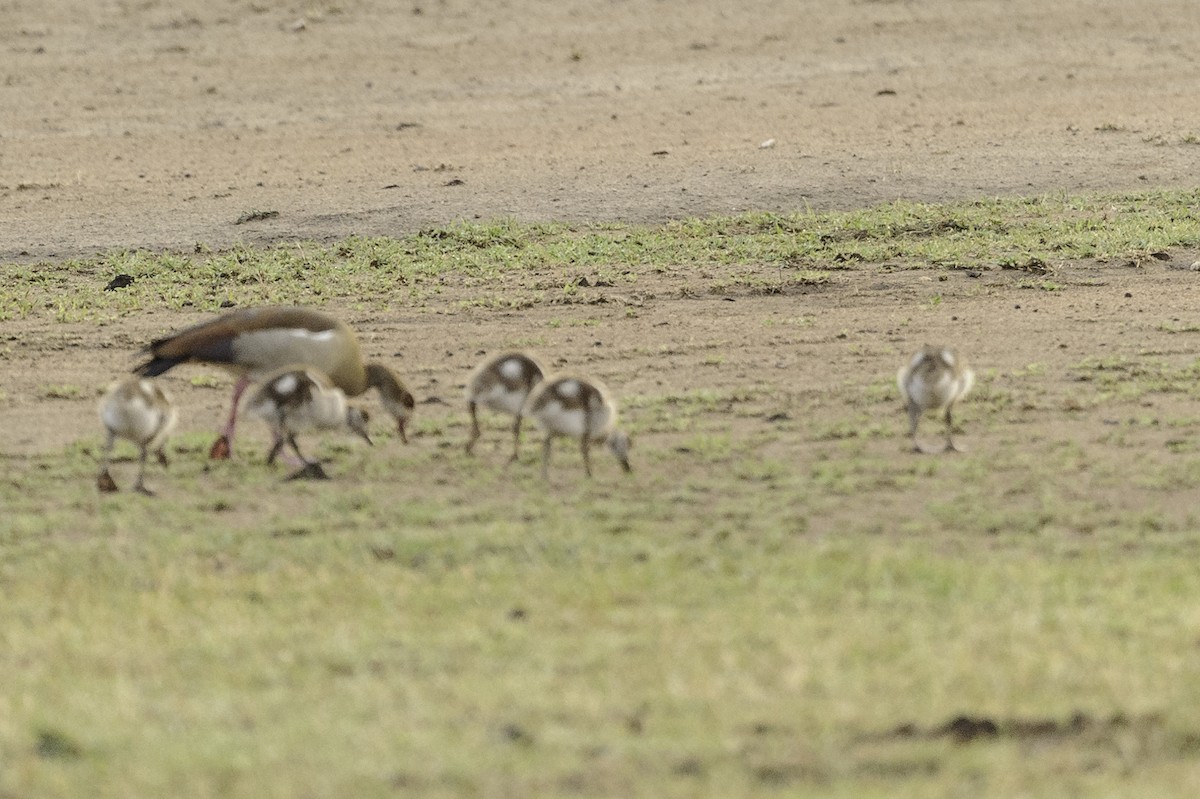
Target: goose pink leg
{"points": [[222, 448]]}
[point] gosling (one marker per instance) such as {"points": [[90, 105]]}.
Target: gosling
{"points": [[577, 408], [297, 398], [135, 409], [935, 379], [502, 383]]}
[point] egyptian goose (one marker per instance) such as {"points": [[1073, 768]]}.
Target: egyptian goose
{"points": [[502, 383], [255, 342], [935, 379], [577, 408], [137, 410], [293, 399]]}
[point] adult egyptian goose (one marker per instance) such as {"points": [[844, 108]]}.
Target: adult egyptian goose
{"points": [[293, 399], [255, 342], [581, 409], [935, 379], [137, 410], [502, 383]]}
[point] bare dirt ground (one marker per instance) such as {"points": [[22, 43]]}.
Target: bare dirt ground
{"points": [[162, 124]]}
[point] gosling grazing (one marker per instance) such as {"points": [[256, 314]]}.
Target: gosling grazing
{"points": [[255, 342], [137, 410], [935, 379], [577, 408], [502, 383], [297, 398]]}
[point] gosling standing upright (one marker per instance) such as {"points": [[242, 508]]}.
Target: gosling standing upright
{"points": [[935, 379], [577, 408], [254, 342], [137, 410], [502, 383], [293, 399]]}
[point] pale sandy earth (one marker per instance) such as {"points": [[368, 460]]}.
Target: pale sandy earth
{"points": [[159, 124]]}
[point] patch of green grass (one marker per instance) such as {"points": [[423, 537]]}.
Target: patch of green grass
{"points": [[735, 623], [1041, 285], [781, 600], [783, 252], [207, 381], [255, 216], [794, 321], [680, 412], [1175, 326], [1128, 379], [62, 391]]}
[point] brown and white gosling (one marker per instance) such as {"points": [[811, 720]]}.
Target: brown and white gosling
{"points": [[576, 408], [137, 410], [502, 383], [293, 399], [935, 379], [254, 342]]}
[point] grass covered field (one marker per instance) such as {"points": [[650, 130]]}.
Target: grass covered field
{"points": [[781, 600]]}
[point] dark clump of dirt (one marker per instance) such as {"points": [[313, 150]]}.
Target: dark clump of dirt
{"points": [[56, 745], [966, 729]]}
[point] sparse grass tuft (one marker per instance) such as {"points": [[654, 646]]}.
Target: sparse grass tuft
{"points": [[760, 253]]}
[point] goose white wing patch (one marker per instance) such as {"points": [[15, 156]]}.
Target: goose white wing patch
{"points": [[319, 335], [569, 389]]}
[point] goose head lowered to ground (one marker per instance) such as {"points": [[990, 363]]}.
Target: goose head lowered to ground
{"points": [[255, 342]]}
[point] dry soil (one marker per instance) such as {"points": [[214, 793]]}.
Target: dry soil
{"points": [[147, 123]]}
